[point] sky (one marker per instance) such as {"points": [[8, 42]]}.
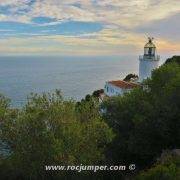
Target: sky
{"points": [[88, 27]]}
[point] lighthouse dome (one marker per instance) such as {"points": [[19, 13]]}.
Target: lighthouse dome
{"points": [[150, 44], [149, 48]]}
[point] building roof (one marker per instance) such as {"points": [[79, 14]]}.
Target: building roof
{"points": [[123, 84], [150, 43]]}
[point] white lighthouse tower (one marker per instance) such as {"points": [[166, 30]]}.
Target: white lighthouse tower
{"points": [[149, 61]]}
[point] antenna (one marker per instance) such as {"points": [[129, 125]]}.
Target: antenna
{"points": [[150, 39]]}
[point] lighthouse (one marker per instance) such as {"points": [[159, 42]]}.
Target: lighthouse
{"points": [[149, 61]]}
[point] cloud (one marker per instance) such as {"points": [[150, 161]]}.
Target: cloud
{"points": [[88, 26], [104, 42], [168, 28], [124, 13]]}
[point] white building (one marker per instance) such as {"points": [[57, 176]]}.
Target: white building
{"points": [[149, 61], [116, 88]]}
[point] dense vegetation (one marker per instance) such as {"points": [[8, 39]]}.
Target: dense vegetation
{"points": [[167, 167], [50, 130], [135, 128], [175, 59]]}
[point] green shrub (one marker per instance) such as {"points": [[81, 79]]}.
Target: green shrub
{"points": [[167, 169]]}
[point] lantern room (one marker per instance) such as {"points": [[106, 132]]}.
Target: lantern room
{"points": [[150, 48]]}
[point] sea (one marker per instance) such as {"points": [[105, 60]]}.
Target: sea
{"points": [[74, 76]]}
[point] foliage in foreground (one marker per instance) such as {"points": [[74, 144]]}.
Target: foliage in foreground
{"points": [[50, 131], [166, 168]]}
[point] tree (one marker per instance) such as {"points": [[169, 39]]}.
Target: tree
{"points": [[130, 76], [97, 93], [174, 59], [166, 168], [50, 131]]}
